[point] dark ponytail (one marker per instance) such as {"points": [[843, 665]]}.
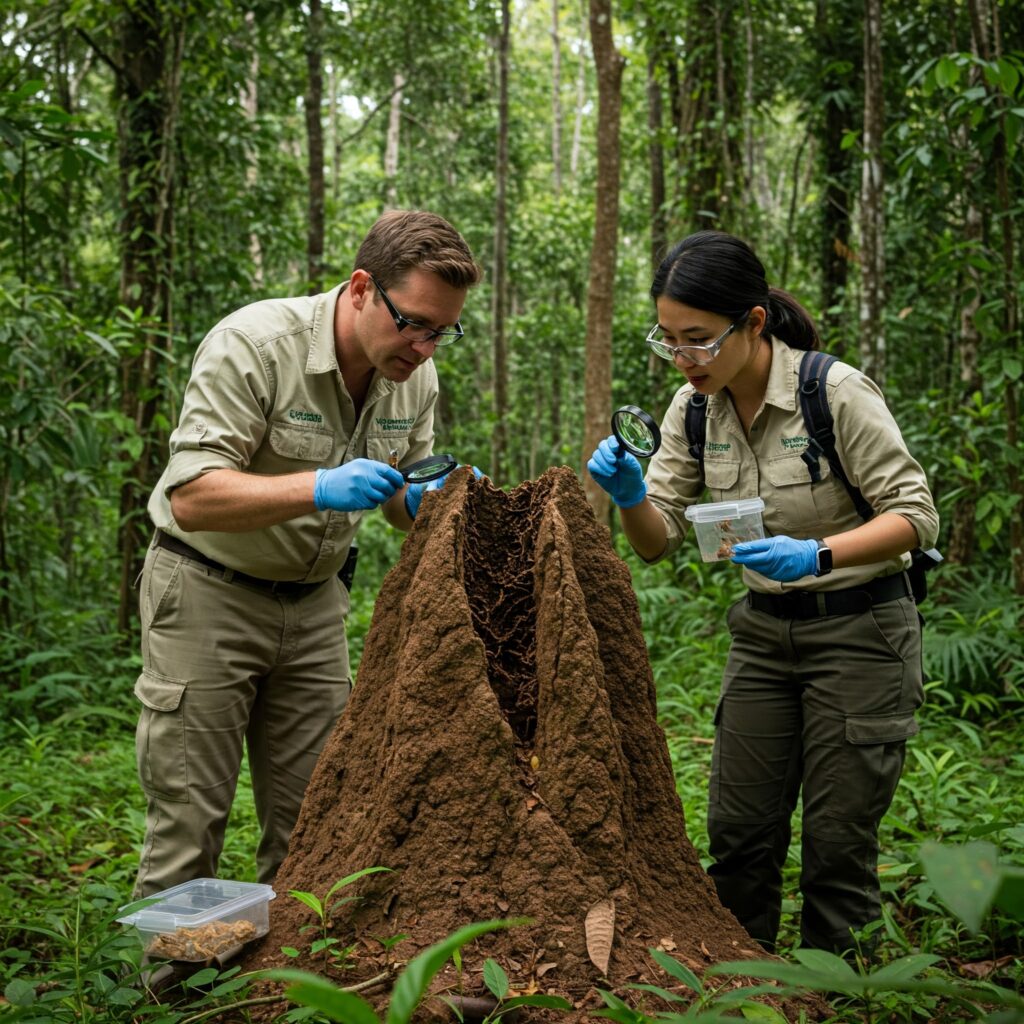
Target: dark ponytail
{"points": [[717, 272]]}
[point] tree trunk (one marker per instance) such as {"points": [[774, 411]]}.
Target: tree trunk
{"points": [[148, 90], [250, 104], [499, 438], [659, 222], [835, 163], [334, 129], [556, 100], [597, 378], [581, 96], [391, 144], [872, 213], [315, 145]]}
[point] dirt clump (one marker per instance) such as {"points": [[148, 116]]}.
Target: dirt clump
{"points": [[501, 754]]}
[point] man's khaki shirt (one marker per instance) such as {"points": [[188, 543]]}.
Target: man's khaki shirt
{"points": [[768, 464], [266, 396]]}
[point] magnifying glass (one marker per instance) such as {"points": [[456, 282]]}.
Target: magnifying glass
{"points": [[636, 431], [430, 468]]}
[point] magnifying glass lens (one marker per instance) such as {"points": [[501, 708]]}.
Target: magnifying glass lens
{"points": [[428, 469], [636, 431]]}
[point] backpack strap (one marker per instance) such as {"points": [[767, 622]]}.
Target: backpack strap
{"points": [[818, 422], [696, 423]]}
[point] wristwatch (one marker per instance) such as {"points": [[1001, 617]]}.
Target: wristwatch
{"points": [[824, 559]]}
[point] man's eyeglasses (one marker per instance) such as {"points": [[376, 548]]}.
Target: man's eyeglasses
{"points": [[419, 332], [699, 354]]}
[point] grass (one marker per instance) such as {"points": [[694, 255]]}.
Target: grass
{"points": [[72, 814]]}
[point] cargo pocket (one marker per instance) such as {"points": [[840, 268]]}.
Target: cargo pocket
{"points": [[870, 766], [160, 737]]}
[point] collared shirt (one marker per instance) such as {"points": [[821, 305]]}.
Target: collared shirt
{"points": [[266, 396], [768, 464]]}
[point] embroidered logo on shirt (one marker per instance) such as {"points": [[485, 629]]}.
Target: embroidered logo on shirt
{"points": [[716, 446], [305, 417], [794, 443], [388, 424]]}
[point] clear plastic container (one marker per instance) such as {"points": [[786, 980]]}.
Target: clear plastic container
{"points": [[204, 919], [721, 525]]}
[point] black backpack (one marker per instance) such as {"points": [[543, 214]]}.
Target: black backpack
{"points": [[821, 441]]}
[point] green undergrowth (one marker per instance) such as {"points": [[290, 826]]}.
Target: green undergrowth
{"points": [[72, 816]]}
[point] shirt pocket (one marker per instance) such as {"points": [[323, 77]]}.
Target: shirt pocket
{"points": [[721, 475], [380, 446], [796, 505], [301, 444]]}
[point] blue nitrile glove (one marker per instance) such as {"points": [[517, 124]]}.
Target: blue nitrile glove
{"points": [[414, 495], [782, 559], [359, 484], [618, 472]]}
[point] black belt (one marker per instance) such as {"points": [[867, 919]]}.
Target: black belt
{"points": [[814, 604], [287, 588]]}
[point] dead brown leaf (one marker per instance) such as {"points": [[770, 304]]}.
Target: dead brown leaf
{"points": [[600, 931], [543, 969], [667, 944], [984, 968]]}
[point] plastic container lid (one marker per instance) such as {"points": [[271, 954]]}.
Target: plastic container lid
{"points": [[198, 902], [724, 510]]}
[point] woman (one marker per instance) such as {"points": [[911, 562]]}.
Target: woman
{"points": [[824, 670]]}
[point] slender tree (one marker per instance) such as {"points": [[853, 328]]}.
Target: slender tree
{"points": [[499, 438], [315, 146], [872, 201], [556, 100], [148, 75], [597, 377], [392, 141]]}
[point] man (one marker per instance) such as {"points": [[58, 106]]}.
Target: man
{"points": [[293, 418]]}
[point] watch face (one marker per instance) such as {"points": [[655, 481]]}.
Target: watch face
{"points": [[824, 559]]}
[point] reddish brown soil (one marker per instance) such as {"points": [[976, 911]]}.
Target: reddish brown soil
{"points": [[501, 754]]}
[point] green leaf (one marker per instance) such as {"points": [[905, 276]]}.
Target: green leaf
{"points": [[965, 878], [309, 990], [309, 900], [413, 981], [760, 1011], [947, 72], [902, 969], [662, 993], [349, 879], [495, 979], [203, 977], [1012, 367], [826, 963], [289, 951], [671, 966], [20, 992], [1009, 896]]}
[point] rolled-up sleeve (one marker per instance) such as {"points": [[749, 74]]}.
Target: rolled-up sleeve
{"points": [[224, 410], [673, 477], [876, 459]]}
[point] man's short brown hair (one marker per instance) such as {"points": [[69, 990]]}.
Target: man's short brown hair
{"points": [[403, 240]]}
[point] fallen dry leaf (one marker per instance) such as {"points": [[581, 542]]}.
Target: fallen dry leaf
{"points": [[667, 944], [983, 968], [600, 930], [503, 906], [531, 802], [543, 969], [704, 950]]}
